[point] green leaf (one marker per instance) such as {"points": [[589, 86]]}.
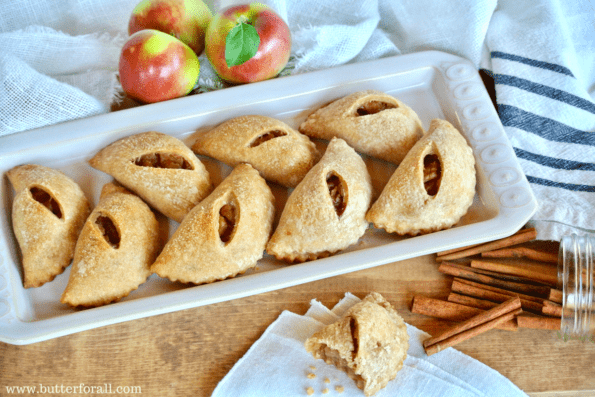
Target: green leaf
{"points": [[241, 44]]}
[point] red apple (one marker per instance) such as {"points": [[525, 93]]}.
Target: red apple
{"points": [[155, 66], [273, 50], [186, 20]]}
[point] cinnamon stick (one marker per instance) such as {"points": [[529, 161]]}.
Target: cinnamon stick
{"points": [[541, 272], [551, 309], [504, 276], [464, 288], [521, 236], [471, 301], [463, 336], [504, 291], [555, 295], [538, 322], [474, 326], [450, 311], [468, 273], [450, 251], [522, 252], [503, 308], [442, 309]]}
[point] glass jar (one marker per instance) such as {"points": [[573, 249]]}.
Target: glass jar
{"points": [[576, 277]]}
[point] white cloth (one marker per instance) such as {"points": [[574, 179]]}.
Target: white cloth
{"points": [[278, 365], [59, 60]]}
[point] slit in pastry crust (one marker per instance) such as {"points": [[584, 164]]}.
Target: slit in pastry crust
{"points": [[373, 107], [164, 160], [228, 219], [108, 230], [338, 191], [432, 174], [40, 195], [267, 136]]}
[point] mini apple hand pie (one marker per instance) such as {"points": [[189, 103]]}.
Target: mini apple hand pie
{"points": [[432, 188], [369, 343], [326, 211], [280, 153], [48, 212], [370, 121], [224, 235], [117, 245], [159, 168]]}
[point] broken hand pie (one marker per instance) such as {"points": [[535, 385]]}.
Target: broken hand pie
{"points": [[48, 212], [280, 153], [117, 245], [326, 211], [371, 122], [432, 188], [369, 343], [224, 235], [159, 168]]}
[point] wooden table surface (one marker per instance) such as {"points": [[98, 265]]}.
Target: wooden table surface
{"points": [[186, 353]]}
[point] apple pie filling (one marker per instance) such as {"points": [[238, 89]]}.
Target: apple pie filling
{"points": [[338, 191], [259, 140], [332, 357], [373, 107], [227, 221], [163, 160], [432, 174], [44, 198], [108, 230]]}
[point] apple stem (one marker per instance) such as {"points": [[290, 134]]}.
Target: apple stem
{"points": [[243, 19]]}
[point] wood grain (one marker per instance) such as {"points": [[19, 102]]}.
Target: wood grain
{"points": [[188, 352]]}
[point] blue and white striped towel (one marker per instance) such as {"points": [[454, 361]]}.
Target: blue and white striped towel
{"points": [[545, 85]]}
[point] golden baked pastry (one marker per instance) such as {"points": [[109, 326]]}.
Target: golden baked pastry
{"points": [[280, 153], [325, 213], [117, 245], [48, 212], [224, 235], [432, 188], [370, 121], [369, 343], [159, 168]]}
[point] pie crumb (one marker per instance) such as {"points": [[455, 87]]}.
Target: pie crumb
{"points": [[311, 375], [313, 368], [340, 389], [327, 380], [310, 391], [325, 390]]}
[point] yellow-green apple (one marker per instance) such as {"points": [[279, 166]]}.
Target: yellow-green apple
{"points": [[186, 20], [248, 43], [155, 66]]}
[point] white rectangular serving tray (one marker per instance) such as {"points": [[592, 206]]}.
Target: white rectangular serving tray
{"points": [[434, 84]]}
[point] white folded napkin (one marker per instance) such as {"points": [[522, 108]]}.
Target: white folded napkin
{"points": [[278, 365]]}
